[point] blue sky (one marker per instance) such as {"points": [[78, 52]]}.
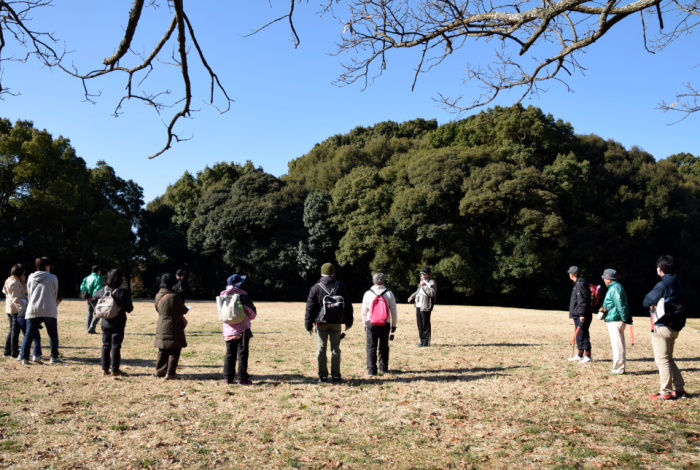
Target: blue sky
{"points": [[284, 99]]}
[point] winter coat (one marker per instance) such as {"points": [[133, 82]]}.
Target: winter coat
{"points": [[91, 284], [170, 332], [15, 295], [181, 289], [580, 303], [315, 302], [669, 288], [615, 304], [369, 297], [42, 292], [123, 299], [229, 331], [425, 295]]}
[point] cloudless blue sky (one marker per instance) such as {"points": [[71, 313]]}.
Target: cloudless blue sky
{"points": [[284, 99]]}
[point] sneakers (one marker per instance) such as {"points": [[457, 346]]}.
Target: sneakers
{"points": [[322, 379], [55, 360], [679, 394], [660, 396], [371, 374], [227, 381], [575, 358], [106, 373], [245, 382], [614, 372], [37, 359], [586, 360], [92, 332], [337, 378], [27, 362]]}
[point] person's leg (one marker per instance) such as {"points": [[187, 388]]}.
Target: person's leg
{"points": [[8, 341], [117, 339], [677, 381], [32, 330], [585, 336], [230, 361], [52, 330], [243, 350], [383, 337], [660, 344], [334, 336], [173, 359], [14, 331], [88, 317], [162, 362], [371, 347], [106, 350], [427, 328], [419, 323], [321, 346], [37, 344], [617, 342]]}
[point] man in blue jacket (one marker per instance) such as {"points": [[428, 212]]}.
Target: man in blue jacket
{"points": [[667, 328]]}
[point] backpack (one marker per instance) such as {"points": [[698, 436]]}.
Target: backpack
{"points": [[379, 310], [107, 306], [231, 309], [333, 305], [595, 295]]}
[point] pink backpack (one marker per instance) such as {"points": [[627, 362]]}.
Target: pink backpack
{"points": [[379, 310]]}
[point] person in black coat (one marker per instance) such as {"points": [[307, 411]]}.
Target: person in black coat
{"points": [[580, 311], [181, 285], [113, 328]]}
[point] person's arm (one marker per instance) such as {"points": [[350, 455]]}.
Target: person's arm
{"points": [[617, 302], [179, 305], [391, 303], [653, 297], [583, 300], [608, 302], [312, 309], [99, 284], [127, 303], [250, 311], [364, 312], [348, 318], [430, 288]]}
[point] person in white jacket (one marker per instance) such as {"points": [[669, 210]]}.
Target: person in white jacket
{"points": [[42, 290], [379, 317], [15, 290], [425, 301]]}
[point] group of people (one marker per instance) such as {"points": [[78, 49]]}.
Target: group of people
{"points": [[666, 304]]}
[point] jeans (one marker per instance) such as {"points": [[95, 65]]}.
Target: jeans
{"points": [[91, 320], [22, 322], [424, 326], [33, 333], [663, 340], [377, 336], [323, 334], [12, 341], [237, 349], [112, 349], [166, 362], [583, 338]]}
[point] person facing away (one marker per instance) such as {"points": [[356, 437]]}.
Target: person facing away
{"points": [[667, 328], [425, 301], [113, 328], [617, 315], [580, 312], [328, 317], [237, 336], [88, 287], [42, 308], [379, 318], [181, 285], [15, 290], [170, 332]]}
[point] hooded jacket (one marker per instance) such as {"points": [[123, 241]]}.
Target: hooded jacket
{"points": [[315, 301], [42, 292], [425, 295], [92, 284], [615, 304], [15, 295], [669, 288], [580, 302]]}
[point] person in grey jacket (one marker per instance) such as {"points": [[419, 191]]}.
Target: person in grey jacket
{"points": [[43, 300], [425, 301]]}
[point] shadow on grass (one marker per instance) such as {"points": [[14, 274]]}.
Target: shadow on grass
{"points": [[656, 372], [506, 345], [651, 359]]}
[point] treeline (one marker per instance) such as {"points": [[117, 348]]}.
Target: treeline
{"points": [[499, 204]]}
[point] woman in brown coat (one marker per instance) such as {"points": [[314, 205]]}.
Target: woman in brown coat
{"points": [[170, 333]]}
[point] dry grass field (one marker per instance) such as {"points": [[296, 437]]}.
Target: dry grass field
{"points": [[495, 391]]}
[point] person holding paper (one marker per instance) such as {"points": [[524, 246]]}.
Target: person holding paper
{"points": [[667, 324], [617, 315]]}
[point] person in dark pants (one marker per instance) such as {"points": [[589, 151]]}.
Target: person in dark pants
{"points": [[113, 328], [181, 285], [580, 311], [237, 336], [170, 332], [15, 290], [425, 301], [379, 317], [42, 308], [88, 287]]}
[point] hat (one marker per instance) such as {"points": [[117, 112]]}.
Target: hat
{"points": [[180, 272], [167, 281], [236, 280], [328, 269], [574, 270], [610, 274], [425, 270]]}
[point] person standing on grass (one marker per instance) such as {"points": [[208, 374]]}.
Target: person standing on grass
{"points": [[328, 317], [425, 301], [580, 312], [181, 285], [170, 332], [379, 317], [42, 307], [237, 336], [89, 286], [113, 328], [667, 328], [15, 290], [617, 315]]}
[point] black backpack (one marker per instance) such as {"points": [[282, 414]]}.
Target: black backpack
{"points": [[333, 305]]}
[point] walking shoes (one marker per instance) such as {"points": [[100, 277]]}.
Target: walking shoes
{"points": [[575, 358], [586, 360]]}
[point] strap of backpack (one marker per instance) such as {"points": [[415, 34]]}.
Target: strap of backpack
{"points": [[161, 299], [335, 287], [324, 288]]}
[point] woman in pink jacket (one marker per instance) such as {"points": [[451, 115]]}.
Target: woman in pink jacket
{"points": [[237, 336]]}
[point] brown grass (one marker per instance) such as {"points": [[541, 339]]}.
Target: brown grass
{"points": [[496, 391]]}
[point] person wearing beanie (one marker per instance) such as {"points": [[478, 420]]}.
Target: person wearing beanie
{"points": [[617, 315], [580, 311], [170, 332], [425, 301], [328, 307]]}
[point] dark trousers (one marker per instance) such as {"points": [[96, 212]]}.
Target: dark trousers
{"points": [[237, 349], [91, 320], [32, 334], [22, 322], [112, 349], [12, 341], [377, 336], [583, 338], [424, 330], [166, 362]]}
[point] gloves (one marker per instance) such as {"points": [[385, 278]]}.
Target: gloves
{"points": [[630, 321], [393, 329]]}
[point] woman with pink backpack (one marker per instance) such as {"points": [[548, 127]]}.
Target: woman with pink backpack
{"points": [[236, 310], [379, 317]]}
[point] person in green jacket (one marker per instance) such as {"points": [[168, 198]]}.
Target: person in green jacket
{"points": [[617, 315], [90, 285]]}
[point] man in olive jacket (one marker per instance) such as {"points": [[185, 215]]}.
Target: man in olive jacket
{"points": [[327, 328], [170, 332], [580, 312]]}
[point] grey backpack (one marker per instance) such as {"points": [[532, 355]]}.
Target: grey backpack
{"points": [[231, 309], [107, 307]]}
